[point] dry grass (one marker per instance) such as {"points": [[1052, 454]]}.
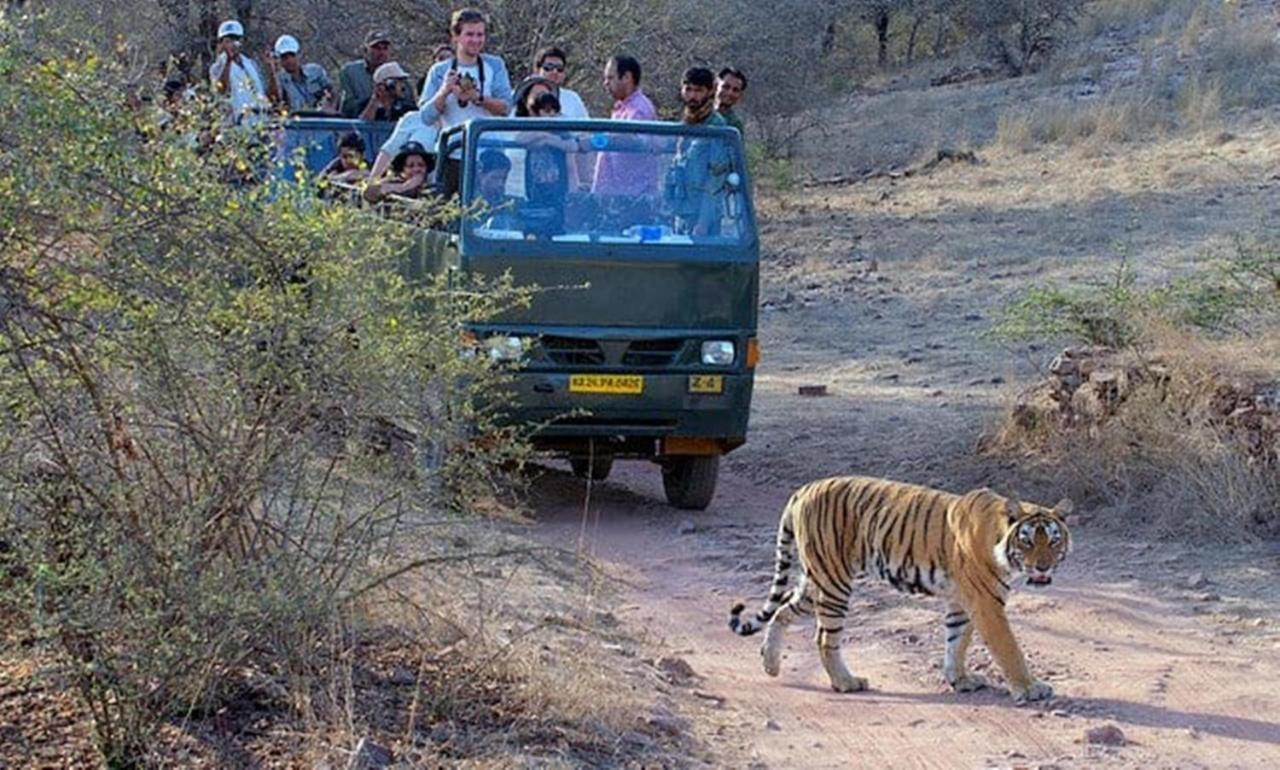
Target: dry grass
{"points": [[1129, 13], [482, 662], [1199, 62], [1112, 119], [519, 661], [1162, 460]]}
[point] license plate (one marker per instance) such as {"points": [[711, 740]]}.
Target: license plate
{"points": [[706, 383], [619, 384]]}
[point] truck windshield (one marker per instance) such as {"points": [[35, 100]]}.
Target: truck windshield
{"points": [[603, 186]]}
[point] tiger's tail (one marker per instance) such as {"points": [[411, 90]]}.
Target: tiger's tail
{"points": [[781, 592]]}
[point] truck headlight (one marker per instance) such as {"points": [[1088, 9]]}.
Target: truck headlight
{"points": [[502, 348], [718, 353]]}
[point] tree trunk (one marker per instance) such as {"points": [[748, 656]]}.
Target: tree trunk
{"points": [[911, 39], [882, 38]]}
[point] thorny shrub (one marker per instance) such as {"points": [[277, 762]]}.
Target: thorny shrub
{"points": [[219, 398]]}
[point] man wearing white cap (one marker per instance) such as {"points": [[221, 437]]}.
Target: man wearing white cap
{"points": [[235, 75], [295, 86], [392, 94]]}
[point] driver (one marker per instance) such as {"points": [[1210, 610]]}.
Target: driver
{"points": [[491, 190]]}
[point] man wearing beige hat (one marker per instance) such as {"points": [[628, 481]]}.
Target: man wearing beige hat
{"points": [[356, 77], [391, 94]]}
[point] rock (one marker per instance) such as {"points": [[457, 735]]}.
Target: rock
{"points": [[370, 756], [402, 677], [715, 700], [1197, 580], [769, 724], [1106, 735], [812, 390], [662, 721], [686, 527], [676, 669], [440, 734], [1208, 597]]}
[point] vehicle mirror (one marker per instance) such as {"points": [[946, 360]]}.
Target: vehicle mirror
{"points": [[733, 181]]}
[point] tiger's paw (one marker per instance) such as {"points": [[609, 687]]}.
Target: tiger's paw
{"points": [[772, 656], [1037, 690], [969, 683], [848, 683]]}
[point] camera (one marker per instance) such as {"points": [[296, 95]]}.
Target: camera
{"points": [[465, 83]]}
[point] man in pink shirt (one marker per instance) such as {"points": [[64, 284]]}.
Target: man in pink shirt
{"points": [[626, 173]]}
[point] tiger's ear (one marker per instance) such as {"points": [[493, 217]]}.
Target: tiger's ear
{"points": [[1064, 506], [1012, 509]]}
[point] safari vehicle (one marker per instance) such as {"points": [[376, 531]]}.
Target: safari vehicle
{"points": [[641, 342]]}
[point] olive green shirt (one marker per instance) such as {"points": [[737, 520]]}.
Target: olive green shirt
{"points": [[735, 120]]}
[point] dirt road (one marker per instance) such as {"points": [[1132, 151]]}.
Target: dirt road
{"points": [[882, 295], [1178, 648]]}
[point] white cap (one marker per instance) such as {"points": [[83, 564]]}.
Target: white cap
{"points": [[231, 27], [286, 44]]}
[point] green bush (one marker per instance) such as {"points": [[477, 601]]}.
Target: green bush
{"points": [[220, 400], [1234, 293]]}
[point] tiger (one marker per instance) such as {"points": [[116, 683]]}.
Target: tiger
{"points": [[964, 548]]}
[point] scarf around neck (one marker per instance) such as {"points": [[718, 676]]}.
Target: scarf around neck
{"points": [[694, 116]]}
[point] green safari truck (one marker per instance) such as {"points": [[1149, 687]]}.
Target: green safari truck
{"points": [[641, 342]]}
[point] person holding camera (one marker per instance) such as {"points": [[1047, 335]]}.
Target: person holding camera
{"points": [[391, 95], [471, 84], [236, 76], [356, 77], [294, 86]]}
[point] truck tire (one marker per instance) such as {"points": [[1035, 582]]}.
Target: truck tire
{"points": [[598, 469], [690, 482]]}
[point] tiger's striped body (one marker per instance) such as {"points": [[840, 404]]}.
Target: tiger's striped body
{"points": [[964, 548]]}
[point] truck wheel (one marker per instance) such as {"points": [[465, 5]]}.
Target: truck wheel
{"points": [[597, 469], [690, 482]]}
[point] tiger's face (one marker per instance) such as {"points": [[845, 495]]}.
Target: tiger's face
{"points": [[1037, 540]]}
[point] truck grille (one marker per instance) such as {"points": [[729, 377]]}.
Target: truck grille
{"points": [[572, 351], [578, 352], [652, 353]]}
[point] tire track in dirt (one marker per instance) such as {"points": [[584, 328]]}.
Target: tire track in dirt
{"points": [[1128, 652]]}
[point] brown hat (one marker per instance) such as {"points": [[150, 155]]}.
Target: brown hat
{"points": [[377, 36]]}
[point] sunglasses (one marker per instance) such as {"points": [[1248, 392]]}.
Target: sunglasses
{"points": [[552, 67]]}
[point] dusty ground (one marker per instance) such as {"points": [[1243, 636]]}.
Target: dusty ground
{"points": [[1174, 646], [881, 290]]}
